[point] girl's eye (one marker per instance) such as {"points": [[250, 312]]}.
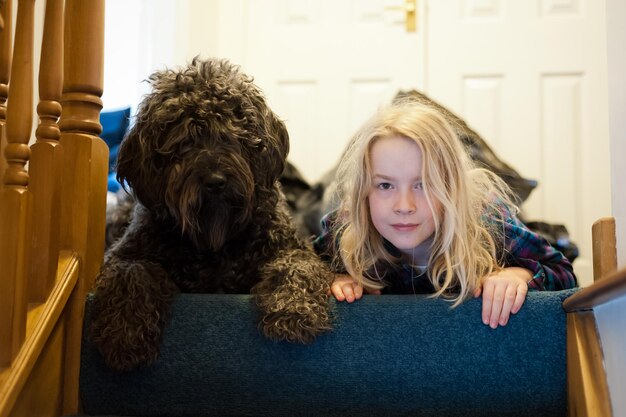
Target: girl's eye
{"points": [[419, 185], [384, 186]]}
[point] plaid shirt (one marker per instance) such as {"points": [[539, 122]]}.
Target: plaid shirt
{"points": [[522, 247]]}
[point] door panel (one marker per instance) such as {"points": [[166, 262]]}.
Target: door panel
{"points": [[326, 65], [529, 76]]}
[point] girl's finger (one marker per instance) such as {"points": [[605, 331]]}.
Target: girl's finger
{"points": [[348, 292], [487, 291], [477, 292], [358, 291], [509, 300], [496, 308], [335, 289], [522, 290]]}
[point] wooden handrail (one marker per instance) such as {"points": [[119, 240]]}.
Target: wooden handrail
{"points": [[607, 289], [41, 321]]}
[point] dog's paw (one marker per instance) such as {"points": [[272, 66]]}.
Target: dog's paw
{"points": [[124, 345], [293, 297], [129, 309], [296, 324]]}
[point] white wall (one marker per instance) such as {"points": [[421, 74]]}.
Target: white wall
{"points": [[196, 29], [611, 320], [142, 36], [124, 59], [611, 317], [616, 45]]}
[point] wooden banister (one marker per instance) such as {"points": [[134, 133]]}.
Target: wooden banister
{"points": [[15, 199], [588, 391], [45, 339], [44, 275], [607, 289]]}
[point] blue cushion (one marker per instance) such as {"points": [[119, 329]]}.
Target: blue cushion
{"points": [[112, 184], [388, 355], [114, 125]]}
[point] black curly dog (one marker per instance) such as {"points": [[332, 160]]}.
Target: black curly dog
{"points": [[202, 160]]}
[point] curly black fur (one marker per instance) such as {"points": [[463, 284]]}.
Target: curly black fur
{"points": [[202, 160]]}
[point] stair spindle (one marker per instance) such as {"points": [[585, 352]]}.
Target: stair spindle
{"points": [[47, 158], [15, 198], [6, 52]]}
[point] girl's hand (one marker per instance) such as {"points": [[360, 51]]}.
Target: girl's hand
{"points": [[345, 288], [504, 293]]}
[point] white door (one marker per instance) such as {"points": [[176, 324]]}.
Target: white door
{"points": [[529, 76], [325, 66]]}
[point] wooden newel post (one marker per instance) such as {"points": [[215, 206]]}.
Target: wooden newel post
{"points": [[80, 127], [83, 205], [15, 199]]}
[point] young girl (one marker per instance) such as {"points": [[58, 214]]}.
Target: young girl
{"points": [[417, 217]]}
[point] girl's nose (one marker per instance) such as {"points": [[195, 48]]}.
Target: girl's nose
{"points": [[405, 203]]}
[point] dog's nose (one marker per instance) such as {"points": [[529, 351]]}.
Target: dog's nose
{"points": [[215, 182]]}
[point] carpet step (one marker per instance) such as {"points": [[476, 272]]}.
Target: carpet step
{"points": [[387, 355]]}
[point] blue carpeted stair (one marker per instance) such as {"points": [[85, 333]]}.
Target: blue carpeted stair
{"points": [[388, 355]]}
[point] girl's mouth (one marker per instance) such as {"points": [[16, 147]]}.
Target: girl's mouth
{"points": [[404, 227]]}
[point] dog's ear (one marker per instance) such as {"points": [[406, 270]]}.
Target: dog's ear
{"points": [[135, 168], [276, 147]]}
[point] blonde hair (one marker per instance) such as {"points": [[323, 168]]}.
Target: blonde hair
{"points": [[473, 203]]}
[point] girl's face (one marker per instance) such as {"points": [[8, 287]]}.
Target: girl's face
{"points": [[397, 201]]}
